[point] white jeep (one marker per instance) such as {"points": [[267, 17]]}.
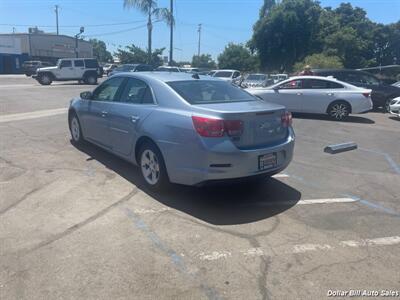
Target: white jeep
{"points": [[81, 69]]}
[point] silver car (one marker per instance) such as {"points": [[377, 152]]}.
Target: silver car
{"points": [[184, 128]]}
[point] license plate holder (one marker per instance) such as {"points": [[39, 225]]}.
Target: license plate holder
{"points": [[267, 161]]}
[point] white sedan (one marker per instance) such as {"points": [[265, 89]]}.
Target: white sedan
{"points": [[319, 95], [395, 107]]}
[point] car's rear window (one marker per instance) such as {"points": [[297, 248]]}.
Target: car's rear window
{"points": [[209, 91], [223, 74]]}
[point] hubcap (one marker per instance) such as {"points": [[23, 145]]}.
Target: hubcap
{"points": [[150, 167], [75, 129], [339, 111], [46, 79]]}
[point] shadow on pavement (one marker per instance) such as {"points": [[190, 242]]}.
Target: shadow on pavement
{"points": [[394, 118], [219, 205], [350, 119]]}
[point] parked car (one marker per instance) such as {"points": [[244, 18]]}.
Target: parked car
{"points": [[394, 107], [108, 68], [179, 128], [190, 70], [168, 69], [131, 68], [279, 77], [382, 94], [255, 80], [30, 66], [313, 94], [81, 69], [396, 84], [227, 75]]}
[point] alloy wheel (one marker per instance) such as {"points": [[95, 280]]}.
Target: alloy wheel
{"points": [[150, 167], [75, 129], [339, 111]]}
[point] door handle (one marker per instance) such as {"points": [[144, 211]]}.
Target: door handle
{"points": [[299, 94], [330, 94], [104, 113], [134, 119]]}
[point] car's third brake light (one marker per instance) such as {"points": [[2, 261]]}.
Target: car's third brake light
{"points": [[208, 127], [286, 119]]}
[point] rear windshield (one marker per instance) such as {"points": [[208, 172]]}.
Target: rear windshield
{"points": [[208, 91], [223, 74]]}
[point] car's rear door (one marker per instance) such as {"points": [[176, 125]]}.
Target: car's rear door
{"points": [[79, 68], [135, 103], [318, 94], [96, 113]]}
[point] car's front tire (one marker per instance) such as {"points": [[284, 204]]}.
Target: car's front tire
{"points": [[152, 167], [339, 110], [45, 79], [75, 129]]}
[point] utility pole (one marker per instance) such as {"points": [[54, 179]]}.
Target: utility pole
{"points": [[171, 38], [199, 31], [56, 10]]}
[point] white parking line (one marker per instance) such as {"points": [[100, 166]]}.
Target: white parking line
{"points": [[304, 202], [280, 175], [300, 249], [32, 115]]}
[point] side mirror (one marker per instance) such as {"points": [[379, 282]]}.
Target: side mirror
{"points": [[86, 95]]}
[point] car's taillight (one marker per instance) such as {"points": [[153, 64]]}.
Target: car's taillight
{"points": [[233, 127], [366, 95], [286, 119], [209, 127]]}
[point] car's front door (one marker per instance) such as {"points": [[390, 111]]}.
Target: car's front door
{"points": [[289, 94], [66, 70], [97, 110], [135, 103]]}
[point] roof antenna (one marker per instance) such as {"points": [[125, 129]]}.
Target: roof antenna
{"points": [[196, 76]]}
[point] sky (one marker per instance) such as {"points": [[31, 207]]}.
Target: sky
{"points": [[223, 21]]}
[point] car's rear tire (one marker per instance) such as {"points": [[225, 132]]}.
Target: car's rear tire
{"points": [[75, 129], [152, 167], [91, 79], [45, 79], [339, 110]]}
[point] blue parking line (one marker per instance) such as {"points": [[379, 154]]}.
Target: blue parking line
{"points": [[388, 158], [176, 259]]}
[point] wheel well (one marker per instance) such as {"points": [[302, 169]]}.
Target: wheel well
{"points": [[142, 140], [71, 112], [88, 73], [339, 101], [51, 75]]}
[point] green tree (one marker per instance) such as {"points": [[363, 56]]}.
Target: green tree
{"points": [[151, 10], [136, 55], [100, 51], [319, 61], [203, 61], [288, 33], [237, 56]]}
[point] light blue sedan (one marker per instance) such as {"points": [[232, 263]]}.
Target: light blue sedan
{"points": [[184, 128]]}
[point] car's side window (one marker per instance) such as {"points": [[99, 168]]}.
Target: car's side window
{"points": [[236, 75], [108, 90], [66, 64], [137, 92], [78, 63], [334, 85], [292, 85]]}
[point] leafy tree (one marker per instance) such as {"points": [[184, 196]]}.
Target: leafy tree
{"points": [[287, 34], [151, 10], [319, 61], [100, 51], [237, 56], [203, 61], [136, 55]]}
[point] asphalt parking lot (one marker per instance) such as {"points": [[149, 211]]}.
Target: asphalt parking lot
{"points": [[75, 223]]}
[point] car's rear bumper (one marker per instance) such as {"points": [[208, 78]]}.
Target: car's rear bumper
{"points": [[224, 163]]}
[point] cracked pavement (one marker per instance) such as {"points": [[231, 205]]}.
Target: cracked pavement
{"points": [[65, 232]]}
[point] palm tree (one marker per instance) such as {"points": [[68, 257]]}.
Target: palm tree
{"points": [[150, 9]]}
